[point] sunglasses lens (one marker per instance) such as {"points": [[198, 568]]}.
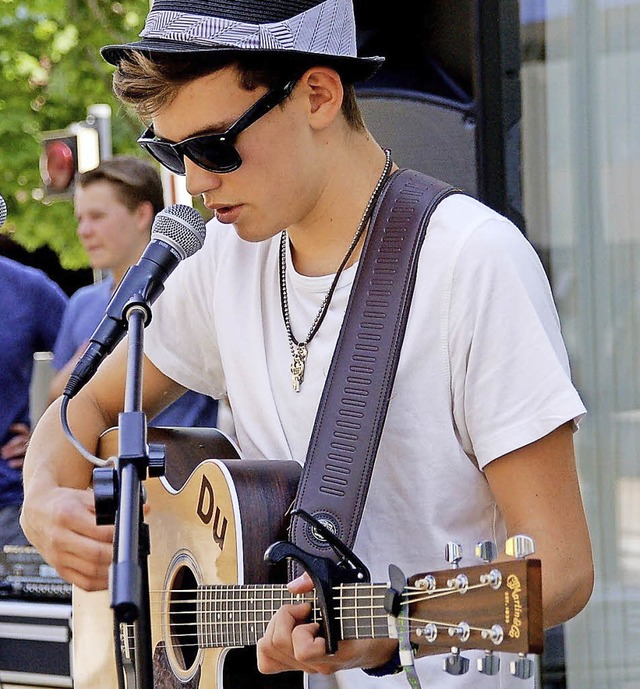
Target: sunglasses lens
{"points": [[212, 154], [165, 155]]}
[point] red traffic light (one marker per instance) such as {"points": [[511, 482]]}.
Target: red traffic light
{"points": [[65, 153], [58, 163]]}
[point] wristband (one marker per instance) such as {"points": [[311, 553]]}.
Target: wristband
{"points": [[391, 667]]}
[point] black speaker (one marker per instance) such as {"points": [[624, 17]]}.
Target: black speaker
{"points": [[447, 101], [35, 643]]}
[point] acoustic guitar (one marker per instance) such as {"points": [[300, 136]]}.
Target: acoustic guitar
{"points": [[212, 595]]}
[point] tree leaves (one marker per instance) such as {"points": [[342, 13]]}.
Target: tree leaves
{"points": [[51, 71]]}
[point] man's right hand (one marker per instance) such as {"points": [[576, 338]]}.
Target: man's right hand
{"points": [[59, 511], [63, 529]]}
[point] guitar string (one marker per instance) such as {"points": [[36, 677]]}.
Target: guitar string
{"points": [[236, 636], [358, 589], [382, 630], [417, 595], [369, 620], [375, 621], [419, 622], [232, 636]]}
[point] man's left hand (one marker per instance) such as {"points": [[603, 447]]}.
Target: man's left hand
{"points": [[291, 642]]}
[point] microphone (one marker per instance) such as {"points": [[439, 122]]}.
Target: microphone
{"points": [[178, 232], [3, 211]]}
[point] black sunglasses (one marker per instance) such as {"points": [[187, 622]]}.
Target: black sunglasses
{"points": [[213, 152]]}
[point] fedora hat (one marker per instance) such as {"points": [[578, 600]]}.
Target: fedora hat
{"points": [[293, 27]]}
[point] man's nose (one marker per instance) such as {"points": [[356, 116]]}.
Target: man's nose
{"points": [[84, 229], [200, 180]]}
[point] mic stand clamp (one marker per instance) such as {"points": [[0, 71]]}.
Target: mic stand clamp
{"points": [[119, 499]]}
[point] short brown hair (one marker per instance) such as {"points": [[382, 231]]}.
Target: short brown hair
{"points": [[148, 84], [134, 180]]}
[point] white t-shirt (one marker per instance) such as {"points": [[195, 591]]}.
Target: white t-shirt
{"points": [[483, 371]]}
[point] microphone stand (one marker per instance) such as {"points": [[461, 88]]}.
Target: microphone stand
{"points": [[131, 548]]}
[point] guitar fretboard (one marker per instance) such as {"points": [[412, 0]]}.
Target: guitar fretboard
{"points": [[238, 615]]}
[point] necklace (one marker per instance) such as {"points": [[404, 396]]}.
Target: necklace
{"points": [[299, 349]]}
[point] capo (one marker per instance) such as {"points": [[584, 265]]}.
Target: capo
{"points": [[393, 595], [324, 572]]}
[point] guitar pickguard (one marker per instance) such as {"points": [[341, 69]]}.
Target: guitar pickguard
{"points": [[163, 676]]}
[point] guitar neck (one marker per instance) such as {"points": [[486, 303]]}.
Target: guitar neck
{"points": [[229, 616]]}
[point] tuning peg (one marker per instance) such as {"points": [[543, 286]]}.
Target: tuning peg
{"points": [[522, 668], [489, 664], [429, 632], [428, 583], [487, 551], [519, 546], [453, 554], [455, 664]]}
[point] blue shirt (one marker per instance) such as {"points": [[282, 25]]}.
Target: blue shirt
{"points": [[31, 308], [83, 314]]}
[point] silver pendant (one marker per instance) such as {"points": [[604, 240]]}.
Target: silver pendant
{"points": [[298, 361]]}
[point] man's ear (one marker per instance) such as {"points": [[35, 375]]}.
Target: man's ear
{"points": [[323, 89]]}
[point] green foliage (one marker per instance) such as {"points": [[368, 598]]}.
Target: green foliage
{"points": [[50, 73]]}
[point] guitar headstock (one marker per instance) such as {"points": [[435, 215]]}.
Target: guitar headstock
{"points": [[496, 606]]}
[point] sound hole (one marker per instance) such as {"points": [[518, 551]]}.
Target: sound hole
{"points": [[183, 622]]}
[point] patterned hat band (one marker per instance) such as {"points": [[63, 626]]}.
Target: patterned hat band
{"points": [[323, 28], [327, 28]]}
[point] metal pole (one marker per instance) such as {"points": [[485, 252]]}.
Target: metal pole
{"points": [[99, 117]]}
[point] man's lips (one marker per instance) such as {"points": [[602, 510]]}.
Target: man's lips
{"points": [[226, 214], [219, 206]]}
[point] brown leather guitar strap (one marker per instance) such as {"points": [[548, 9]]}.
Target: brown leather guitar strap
{"points": [[345, 438]]}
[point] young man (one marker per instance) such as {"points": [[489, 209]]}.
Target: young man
{"points": [[477, 443], [115, 204], [31, 307]]}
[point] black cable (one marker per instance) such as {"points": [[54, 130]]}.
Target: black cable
{"points": [[73, 440]]}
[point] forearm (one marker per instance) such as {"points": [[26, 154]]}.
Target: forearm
{"points": [[51, 459], [59, 512], [537, 490], [567, 572], [52, 462], [59, 381], [58, 515]]}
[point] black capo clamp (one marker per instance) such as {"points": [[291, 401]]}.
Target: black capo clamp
{"points": [[393, 595], [324, 572]]}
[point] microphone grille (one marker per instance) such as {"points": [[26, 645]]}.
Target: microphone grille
{"points": [[182, 226], [3, 211]]}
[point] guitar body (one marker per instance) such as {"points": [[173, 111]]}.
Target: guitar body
{"points": [[209, 525]]}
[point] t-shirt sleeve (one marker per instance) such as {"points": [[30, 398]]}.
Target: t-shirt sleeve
{"points": [[510, 376], [181, 338]]}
